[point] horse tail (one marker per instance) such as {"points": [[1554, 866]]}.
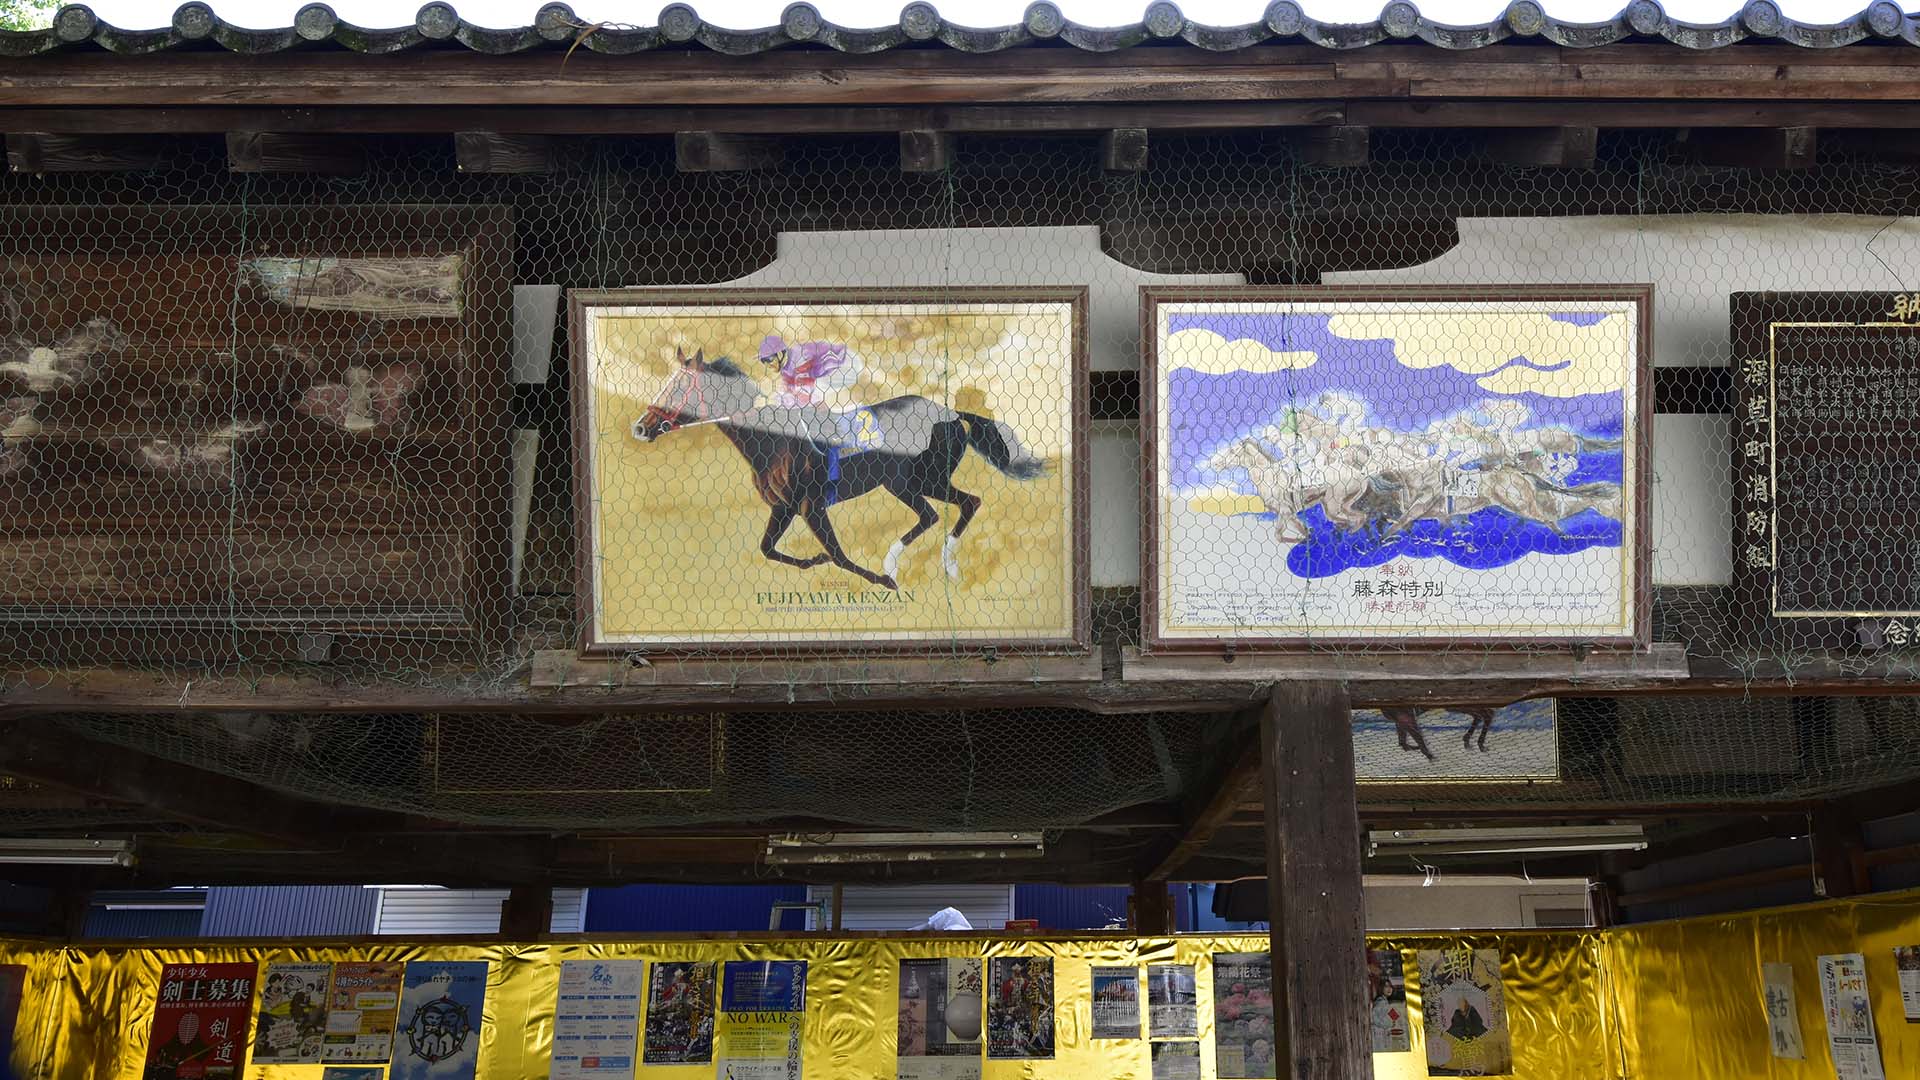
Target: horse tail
{"points": [[997, 443]]}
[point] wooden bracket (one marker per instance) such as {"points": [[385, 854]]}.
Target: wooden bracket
{"points": [[1124, 150], [273, 152], [1756, 148], [1341, 146], [925, 151], [719, 151], [38, 152], [491, 152], [1544, 148]]}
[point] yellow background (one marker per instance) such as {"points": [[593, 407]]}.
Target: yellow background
{"points": [[678, 522], [1669, 1001]]}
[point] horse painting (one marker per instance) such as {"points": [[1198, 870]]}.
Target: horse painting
{"points": [[802, 463]]}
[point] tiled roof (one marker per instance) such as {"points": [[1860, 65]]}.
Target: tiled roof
{"points": [[680, 26]]}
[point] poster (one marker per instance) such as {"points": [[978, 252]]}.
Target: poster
{"points": [[1243, 1015], [1783, 1012], [363, 1009], [352, 1072], [764, 1005], [1906, 961], [1116, 1003], [1176, 1061], [941, 1011], [1396, 463], [1020, 1010], [13, 988], [879, 466], [442, 1004], [1466, 742], [1466, 1013], [293, 1014], [596, 1020], [1850, 1035], [1387, 997], [1173, 1010], [200, 1022], [680, 1013]]}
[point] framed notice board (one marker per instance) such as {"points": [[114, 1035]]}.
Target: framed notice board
{"points": [[1826, 466]]}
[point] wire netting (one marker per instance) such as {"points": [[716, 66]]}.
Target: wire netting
{"points": [[259, 424]]}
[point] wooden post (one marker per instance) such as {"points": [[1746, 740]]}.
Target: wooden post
{"points": [[1124, 150], [1152, 906], [1313, 884], [527, 913], [67, 914], [1342, 146], [925, 151], [1839, 855], [492, 152], [839, 907]]}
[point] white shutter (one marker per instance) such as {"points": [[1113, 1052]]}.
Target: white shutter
{"points": [[425, 912], [901, 907]]}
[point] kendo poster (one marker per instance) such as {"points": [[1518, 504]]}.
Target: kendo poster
{"points": [[441, 1009], [680, 1013], [1020, 1009], [1410, 464], [293, 1014], [1465, 1009], [826, 468], [763, 1005], [941, 1012], [200, 1022]]}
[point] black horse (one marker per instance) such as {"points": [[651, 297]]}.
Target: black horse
{"points": [[804, 461]]}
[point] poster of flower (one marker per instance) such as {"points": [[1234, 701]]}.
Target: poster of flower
{"points": [[1465, 1007], [941, 1015], [442, 1005], [200, 1022], [1243, 1015], [293, 1014], [1020, 1011], [1415, 465], [680, 1013], [832, 467]]}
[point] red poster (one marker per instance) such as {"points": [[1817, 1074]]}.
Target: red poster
{"points": [[200, 1022], [13, 987]]}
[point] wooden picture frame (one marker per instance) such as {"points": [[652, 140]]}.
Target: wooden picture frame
{"points": [[1161, 634], [770, 619]]}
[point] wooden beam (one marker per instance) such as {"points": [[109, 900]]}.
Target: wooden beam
{"points": [[1663, 662], [1314, 883], [494, 152], [1544, 148], [1735, 883], [281, 152], [1124, 150], [923, 150], [720, 151], [1206, 817], [40, 152], [1756, 148], [1341, 146]]}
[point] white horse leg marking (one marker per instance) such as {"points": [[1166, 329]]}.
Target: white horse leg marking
{"points": [[893, 557], [950, 557]]}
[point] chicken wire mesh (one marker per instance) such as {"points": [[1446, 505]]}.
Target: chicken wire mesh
{"points": [[262, 423]]}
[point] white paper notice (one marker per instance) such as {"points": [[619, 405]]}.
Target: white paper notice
{"points": [[1906, 959], [1783, 1015], [596, 1023], [1850, 1036]]}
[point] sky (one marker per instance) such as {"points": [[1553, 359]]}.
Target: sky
{"points": [[748, 14]]}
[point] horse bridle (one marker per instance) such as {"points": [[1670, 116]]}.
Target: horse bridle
{"points": [[695, 391]]}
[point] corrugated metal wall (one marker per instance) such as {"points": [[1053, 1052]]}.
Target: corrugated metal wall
{"points": [[426, 912], [290, 911], [140, 924], [690, 908], [901, 907]]}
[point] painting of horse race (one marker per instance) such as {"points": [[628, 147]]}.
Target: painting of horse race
{"points": [[1415, 465], [823, 469], [1457, 743]]}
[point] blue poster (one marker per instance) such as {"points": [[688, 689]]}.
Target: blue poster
{"points": [[763, 1004], [441, 1005], [771, 986]]}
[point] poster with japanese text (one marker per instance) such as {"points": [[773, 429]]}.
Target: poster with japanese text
{"points": [[1397, 464], [293, 1014], [1851, 1039], [1020, 1008], [1783, 1012], [363, 1009], [941, 1012], [764, 1006], [1387, 997], [855, 467], [442, 1005], [1173, 997], [1906, 963], [13, 988], [596, 1020], [680, 1013], [1243, 1016], [352, 1072], [1176, 1061], [200, 1022], [1116, 1003], [1466, 1013]]}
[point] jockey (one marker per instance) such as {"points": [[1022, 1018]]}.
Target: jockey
{"points": [[806, 370]]}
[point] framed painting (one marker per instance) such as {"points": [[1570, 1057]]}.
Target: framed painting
{"points": [[1403, 467], [831, 470]]}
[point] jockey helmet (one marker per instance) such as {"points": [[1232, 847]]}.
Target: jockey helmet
{"points": [[773, 345]]}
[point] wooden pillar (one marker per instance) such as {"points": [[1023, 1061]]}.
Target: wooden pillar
{"points": [[1839, 854], [839, 907], [67, 915], [1313, 884], [1151, 909], [528, 912]]}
